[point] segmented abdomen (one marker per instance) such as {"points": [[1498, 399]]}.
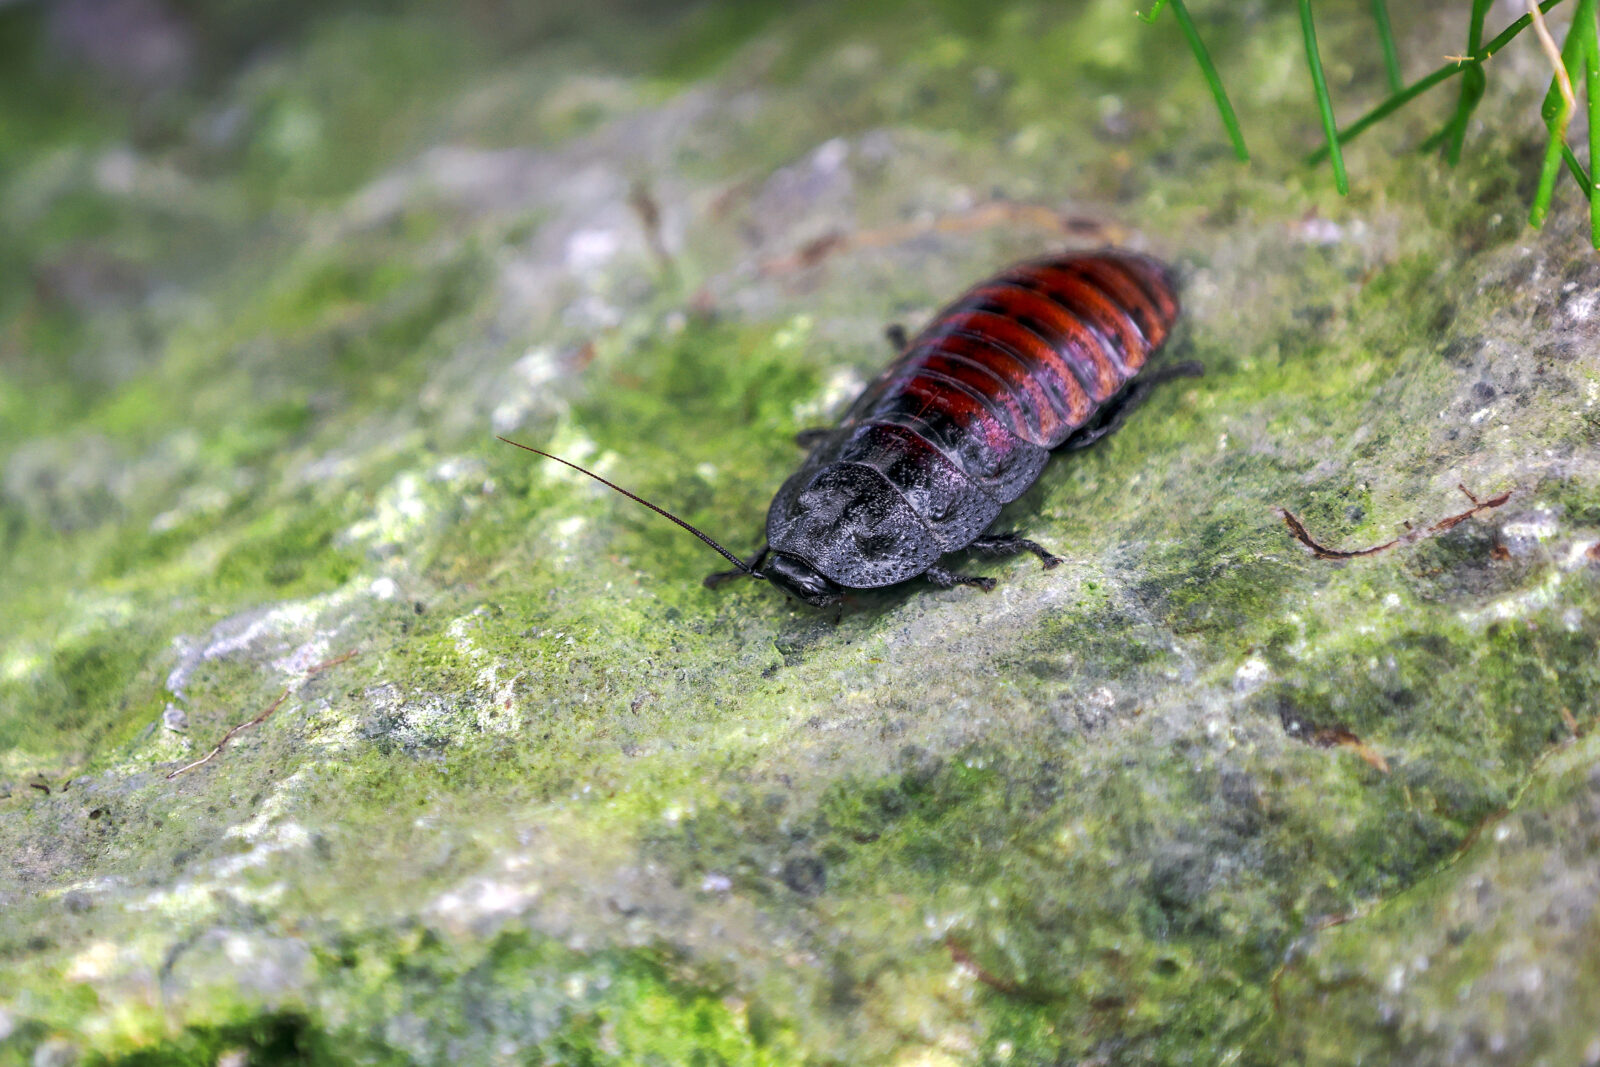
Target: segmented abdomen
{"points": [[1024, 360], [964, 419]]}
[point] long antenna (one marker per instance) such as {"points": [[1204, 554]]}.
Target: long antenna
{"points": [[735, 560]]}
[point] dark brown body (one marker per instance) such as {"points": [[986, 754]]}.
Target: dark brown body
{"points": [[965, 419]]}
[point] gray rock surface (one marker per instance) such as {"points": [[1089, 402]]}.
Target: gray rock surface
{"points": [[522, 790]]}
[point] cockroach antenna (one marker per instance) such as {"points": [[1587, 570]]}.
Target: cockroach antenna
{"points": [[729, 556], [1046, 355]]}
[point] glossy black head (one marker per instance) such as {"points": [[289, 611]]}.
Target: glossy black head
{"points": [[799, 579]]}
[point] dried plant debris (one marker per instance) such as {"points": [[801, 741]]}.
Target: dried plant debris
{"points": [[1411, 536], [1303, 729], [648, 210], [963, 958], [1571, 722], [311, 671], [1339, 737], [983, 216]]}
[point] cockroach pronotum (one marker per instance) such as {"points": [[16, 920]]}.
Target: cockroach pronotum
{"points": [[1040, 357]]}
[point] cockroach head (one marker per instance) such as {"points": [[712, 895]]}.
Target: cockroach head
{"points": [[800, 579]]}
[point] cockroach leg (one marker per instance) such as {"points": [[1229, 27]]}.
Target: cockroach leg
{"points": [[1117, 410], [812, 437], [950, 579], [990, 387], [895, 333], [1009, 544]]}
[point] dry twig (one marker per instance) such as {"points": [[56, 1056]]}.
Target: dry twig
{"points": [[1322, 551], [990, 213], [259, 719], [1339, 737], [1548, 43], [965, 960], [644, 205]]}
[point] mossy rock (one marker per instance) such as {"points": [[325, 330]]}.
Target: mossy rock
{"points": [[516, 787]]}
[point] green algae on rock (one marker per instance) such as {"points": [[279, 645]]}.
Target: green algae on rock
{"points": [[565, 804]]}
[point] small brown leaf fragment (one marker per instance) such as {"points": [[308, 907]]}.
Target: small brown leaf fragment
{"points": [[644, 205], [1327, 922], [815, 251], [703, 304], [1571, 721], [1088, 227], [1499, 553], [965, 960], [809, 254], [1339, 737], [1412, 535], [1371, 756]]}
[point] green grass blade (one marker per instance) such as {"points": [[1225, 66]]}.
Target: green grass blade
{"points": [[1209, 69], [1436, 138], [1473, 83], [1591, 89], [1557, 114], [1319, 85], [1391, 58], [1574, 167], [1399, 100], [1505, 36], [1547, 176], [1154, 11], [1389, 107]]}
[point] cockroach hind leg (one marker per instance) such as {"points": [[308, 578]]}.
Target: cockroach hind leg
{"points": [[1010, 544], [1116, 411], [945, 579]]}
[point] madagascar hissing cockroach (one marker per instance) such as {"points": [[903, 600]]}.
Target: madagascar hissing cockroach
{"points": [[962, 422]]}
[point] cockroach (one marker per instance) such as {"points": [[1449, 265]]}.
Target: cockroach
{"points": [[1041, 357]]}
